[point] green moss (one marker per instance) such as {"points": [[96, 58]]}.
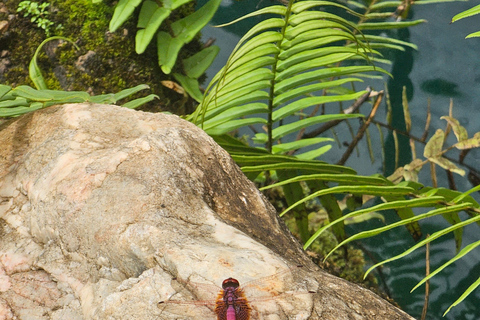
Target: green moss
{"points": [[115, 66]]}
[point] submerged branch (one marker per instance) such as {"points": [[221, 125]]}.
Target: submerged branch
{"points": [[350, 110], [361, 131]]}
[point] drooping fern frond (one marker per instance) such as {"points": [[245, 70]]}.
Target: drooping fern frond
{"points": [[24, 99]]}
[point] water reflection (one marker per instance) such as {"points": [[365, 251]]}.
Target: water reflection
{"points": [[439, 86]]}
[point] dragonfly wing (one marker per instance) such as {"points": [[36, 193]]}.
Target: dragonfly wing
{"points": [[184, 301], [187, 310], [270, 286]]}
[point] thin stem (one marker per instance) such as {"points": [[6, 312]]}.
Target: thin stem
{"points": [[272, 82], [361, 132]]}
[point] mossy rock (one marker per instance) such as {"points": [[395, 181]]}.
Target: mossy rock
{"points": [[106, 62]]}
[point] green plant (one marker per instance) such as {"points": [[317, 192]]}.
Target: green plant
{"points": [[303, 59], [23, 99], [39, 15], [152, 15]]}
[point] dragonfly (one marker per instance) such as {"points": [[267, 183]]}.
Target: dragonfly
{"points": [[235, 302]]}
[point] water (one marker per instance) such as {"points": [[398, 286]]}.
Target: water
{"points": [[445, 66]]}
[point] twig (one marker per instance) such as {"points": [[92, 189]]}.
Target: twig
{"points": [[352, 109], [422, 140], [427, 283], [427, 122], [361, 131]]}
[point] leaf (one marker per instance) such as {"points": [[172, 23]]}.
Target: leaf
{"points": [[167, 50], [123, 11], [173, 4], [467, 13], [344, 178], [305, 31], [313, 154], [104, 98], [433, 148], [68, 96], [277, 162], [310, 63], [279, 10], [131, 91], [190, 85], [197, 64], [370, 190], [140, 101], [173, 86], [405, 214], [185, 29], [473, 35], [314, 48], [285, 147], [411, 203], [282, 131], [447, 165], [459, 255], [365, 217], [464, 195], [149, 20], [304, 103], [294, 93], [234, 125], [465, 294], [389, 25], [410, 171], [469, 143], [406, 111], [4, 89], [436, 1], [17, 102], [234, 113], [459, 131], [434, 236], [31, 94], [319, 74], [13, 112], [34, 71]]}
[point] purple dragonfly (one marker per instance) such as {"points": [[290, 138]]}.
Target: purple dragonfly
{"points": [[235, 302]]}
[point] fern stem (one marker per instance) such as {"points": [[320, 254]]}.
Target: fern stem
{"points": [[271, 94]]}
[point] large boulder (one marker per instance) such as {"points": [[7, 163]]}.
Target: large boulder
{"points": [[101, 207]]}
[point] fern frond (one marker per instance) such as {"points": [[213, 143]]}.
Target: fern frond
{"points": [[277, 67]]}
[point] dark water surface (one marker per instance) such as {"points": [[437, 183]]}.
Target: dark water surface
{"points": [[445, 66]]}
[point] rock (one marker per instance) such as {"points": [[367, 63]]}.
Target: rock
{"points": [[101, 206], [87, 61]]}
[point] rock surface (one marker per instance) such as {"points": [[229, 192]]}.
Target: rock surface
{"points": [[101, 206]]}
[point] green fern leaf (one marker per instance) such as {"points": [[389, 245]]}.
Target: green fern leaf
{"points": [[123, 11], [150, 18]]}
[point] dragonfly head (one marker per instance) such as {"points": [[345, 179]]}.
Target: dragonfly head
{"points": [[230, 283]]}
